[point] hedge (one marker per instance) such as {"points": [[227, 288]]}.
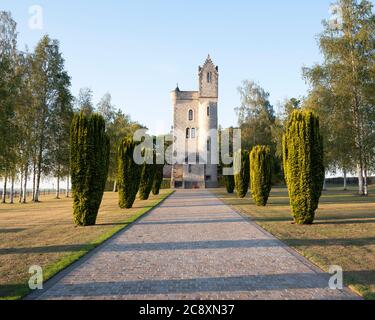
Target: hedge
{"points": [[261, 167], [303, 165], [89, 161], [229, 183], [158, 179], [147, 176], [128, 174], [241, 179]]}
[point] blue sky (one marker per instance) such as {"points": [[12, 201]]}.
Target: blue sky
{"points": [[139, 50]]}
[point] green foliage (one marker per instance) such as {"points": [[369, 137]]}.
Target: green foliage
{"points": [[120, 127], [158, 179], [242, 176], [147, 176], [303, 165], [128, 175], [89, 166], [261, 167], [9, 90], [256, 115], [229, 183]]}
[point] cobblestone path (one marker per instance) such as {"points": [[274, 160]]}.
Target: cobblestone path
{"points": [[192, 246]]}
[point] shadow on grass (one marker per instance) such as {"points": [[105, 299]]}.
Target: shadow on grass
{"points": [[45, 249], [330, 242], [338, 219], [12, 230], [13, 291]]}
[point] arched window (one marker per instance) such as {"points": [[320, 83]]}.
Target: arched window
{"points": [[191, 115], [193, 133], [187, 133]]}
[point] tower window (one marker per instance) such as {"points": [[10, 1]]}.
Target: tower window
{"points": [[193, 133], [208, 144], [187, 133], [208, 111], [191, 115], [209, 77]]}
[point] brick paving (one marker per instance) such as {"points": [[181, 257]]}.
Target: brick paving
{"points": [[192, 246]]}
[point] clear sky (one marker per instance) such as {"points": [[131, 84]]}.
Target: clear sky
{"points": [[139, 50]]}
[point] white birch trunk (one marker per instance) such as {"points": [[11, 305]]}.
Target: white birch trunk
{"points": [[58, 187], [3, 200], [67, 186], [21, 188], [24, 195], [12, 191], [34, 177], [365, 185], [360, 180]]}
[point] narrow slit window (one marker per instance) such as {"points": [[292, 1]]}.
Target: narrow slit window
{"points": [[187, 133], [208, 111], [191, 115]]}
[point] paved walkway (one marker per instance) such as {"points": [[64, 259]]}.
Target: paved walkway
{"points": [[192, 247]]}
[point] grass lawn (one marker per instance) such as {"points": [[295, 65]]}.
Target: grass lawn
{"points": [[44, 234], [343, 233]]}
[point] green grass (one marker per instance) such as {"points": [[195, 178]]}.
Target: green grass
{"points": [[52, 229], [343, 233]]}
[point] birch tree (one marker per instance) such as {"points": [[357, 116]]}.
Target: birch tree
{"points": [[47, 76], [348, 48]]}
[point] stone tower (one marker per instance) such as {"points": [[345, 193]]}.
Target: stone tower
{"points": [[195, 127]]}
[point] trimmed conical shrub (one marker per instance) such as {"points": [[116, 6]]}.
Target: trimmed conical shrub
{"points": [[158, 179], [128, 174], [229, 183], [242, 176], [89, 163], [303, 165], [261, 165], [147, 175]]}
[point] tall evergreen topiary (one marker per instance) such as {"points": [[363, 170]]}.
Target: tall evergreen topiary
{"points": [[229, 183], [303, 165], [89, 161], [147, 176], [241, 179], [158, 179], [261, 165], [128, 174]]}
